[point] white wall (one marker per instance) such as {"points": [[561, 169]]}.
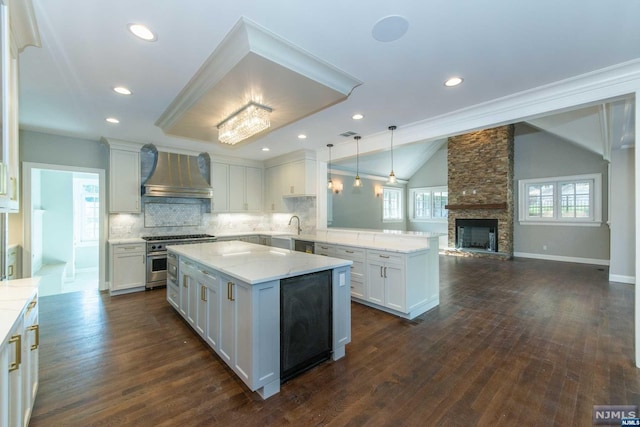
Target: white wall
{"points": [[57, 223], [622, 216]]}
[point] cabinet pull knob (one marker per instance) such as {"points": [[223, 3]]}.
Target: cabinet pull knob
{"points": [[17, 339], [36, 329]]}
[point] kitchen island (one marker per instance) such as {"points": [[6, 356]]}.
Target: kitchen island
{"points": [[232, 295]]}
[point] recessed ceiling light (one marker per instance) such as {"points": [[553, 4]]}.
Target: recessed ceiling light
{"points": [[143, 32], [112, 120], [122, 90], [453, 81], [302, 136], [357, 116], [265, 148]]}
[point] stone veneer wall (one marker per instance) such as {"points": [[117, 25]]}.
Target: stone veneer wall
{"points": [[480, 173]]}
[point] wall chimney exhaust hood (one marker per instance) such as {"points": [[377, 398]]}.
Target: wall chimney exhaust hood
{"points": [[175, 175]]}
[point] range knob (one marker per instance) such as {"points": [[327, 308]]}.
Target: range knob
{"points": [[153, 247]]}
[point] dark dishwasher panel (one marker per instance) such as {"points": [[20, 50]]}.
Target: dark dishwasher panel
{"points": [[303, 246], [305, 322]]}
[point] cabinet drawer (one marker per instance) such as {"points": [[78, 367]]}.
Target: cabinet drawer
{"points": [[124, 249], [357, 289], [385, 257], [357, 268], [346, 252], [324, 249]]}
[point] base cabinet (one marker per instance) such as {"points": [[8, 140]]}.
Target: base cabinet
{"points": [[127, 267], [19, 373]]}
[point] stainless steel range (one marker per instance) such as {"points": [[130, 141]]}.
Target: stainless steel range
{"points": [[157, 254]]}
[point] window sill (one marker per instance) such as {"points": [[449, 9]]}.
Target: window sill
{"points": [[563, 223], [436, 221]]}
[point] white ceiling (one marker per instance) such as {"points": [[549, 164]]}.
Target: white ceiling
{"points": [[499, 47]]}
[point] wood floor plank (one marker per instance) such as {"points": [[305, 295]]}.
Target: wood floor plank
{"points": [[522, 342]]}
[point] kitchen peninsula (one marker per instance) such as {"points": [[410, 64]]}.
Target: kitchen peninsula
{"points": [[253, 305]]}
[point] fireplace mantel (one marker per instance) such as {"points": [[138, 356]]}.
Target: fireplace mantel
{"points": [[477, 206]]}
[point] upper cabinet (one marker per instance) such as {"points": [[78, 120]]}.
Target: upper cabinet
{"points": [[292, 175], [18, 30], [124, 176], [237, 187]]}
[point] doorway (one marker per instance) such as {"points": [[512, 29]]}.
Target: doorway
{"points": [[64, 228]]}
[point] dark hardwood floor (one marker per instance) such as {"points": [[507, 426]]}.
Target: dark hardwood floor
{"points": [[522, 342]]}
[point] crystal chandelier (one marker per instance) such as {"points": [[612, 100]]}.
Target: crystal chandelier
{"points": [[249, 120]]}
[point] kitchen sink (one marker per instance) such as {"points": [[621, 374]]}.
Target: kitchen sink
{"points": [[284, 242]]}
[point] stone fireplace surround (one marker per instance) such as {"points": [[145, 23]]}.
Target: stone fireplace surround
{"points": [[480, 185]]}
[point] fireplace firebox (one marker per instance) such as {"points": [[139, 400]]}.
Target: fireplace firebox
{"points": [[477, 234]]}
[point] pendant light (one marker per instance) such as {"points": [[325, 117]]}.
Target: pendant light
{"points": [[357, 182], [392, 176], [330, 182]]}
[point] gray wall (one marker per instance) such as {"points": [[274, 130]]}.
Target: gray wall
{"points": [[623, 230], [432, 174], [359, 207], [539, 155], [39, 147], [57, 223]]}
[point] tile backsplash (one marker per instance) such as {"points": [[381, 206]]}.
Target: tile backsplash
{"points": [[183, 216]]}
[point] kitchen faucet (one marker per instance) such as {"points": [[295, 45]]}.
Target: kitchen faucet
{"points": [[296, 217]]}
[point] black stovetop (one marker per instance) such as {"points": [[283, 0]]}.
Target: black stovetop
{"points": [[178, 237]]}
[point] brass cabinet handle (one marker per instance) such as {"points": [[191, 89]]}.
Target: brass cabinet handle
{"points": [[205, 272], [349, 252], [203, 293], [383, 256], [10, 270], [381, 271], [184, 281], [17, 339], [385, 272], [230, 291], [35, 328]]}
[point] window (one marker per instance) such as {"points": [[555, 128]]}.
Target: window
{"points": [[427, 204], [561, 200], [391, 204], [86, 209]]}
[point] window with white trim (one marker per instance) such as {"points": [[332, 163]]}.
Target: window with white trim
{"points": [[391, 204], [568, 200], [427, 204]]}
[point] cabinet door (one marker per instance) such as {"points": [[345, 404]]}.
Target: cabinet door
{"points": [[237, 184], [30, 355], [227, 321], [395, 296], [124, 181], [4, 383], [13, 381], [220, 186], [253, 189], [241, 293], [375, 282], [186, 283], [272, 196], [128, 269], [212, 295]]}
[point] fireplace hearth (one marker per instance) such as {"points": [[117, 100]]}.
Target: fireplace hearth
{"points": [[477, 234]]}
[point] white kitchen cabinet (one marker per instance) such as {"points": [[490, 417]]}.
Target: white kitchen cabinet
{"points": [[249, 331], [220, 184], [19, 373], [188, 275], [124, 176], [292, 179], [211, 295], [357, 255], [386, 282], [127, 267], [236, 188], [18, 30]]}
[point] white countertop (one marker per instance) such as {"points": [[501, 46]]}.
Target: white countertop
{"points": [[253, 263], [401, 242], [126, 241], [14, 296]]}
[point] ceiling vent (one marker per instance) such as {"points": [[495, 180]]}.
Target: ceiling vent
{"points": [[348, 134]]}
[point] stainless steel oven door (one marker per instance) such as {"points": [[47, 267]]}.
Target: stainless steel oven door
{"points": [[156, 270]]}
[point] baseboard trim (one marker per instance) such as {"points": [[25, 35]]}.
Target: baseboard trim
{"points": [[622, 279], [578, 260]]}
